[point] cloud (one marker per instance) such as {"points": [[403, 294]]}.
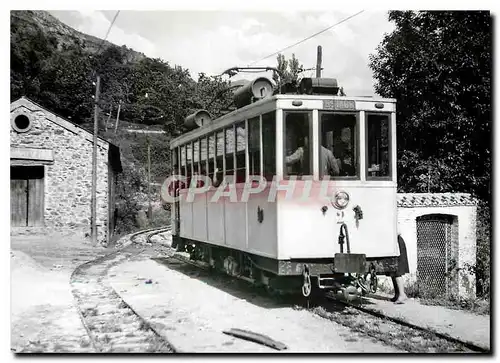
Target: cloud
{"points": [[95, 23], [211, 42]]}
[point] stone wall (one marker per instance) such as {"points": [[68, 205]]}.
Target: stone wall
{"points": [[464, 231], [68, 181], [466, 218]]}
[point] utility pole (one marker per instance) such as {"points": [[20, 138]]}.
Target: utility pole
{"points": [[318, 62], [150, 210], [94, 162], [118, 115], [109, 116]]}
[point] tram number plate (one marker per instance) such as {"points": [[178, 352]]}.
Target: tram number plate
{"points": [[339, 105], [349, 262]]}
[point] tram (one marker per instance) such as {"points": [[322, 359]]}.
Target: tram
{"points": [[297, 191]]}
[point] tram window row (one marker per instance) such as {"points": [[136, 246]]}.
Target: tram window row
{"points": [[251, 145]]}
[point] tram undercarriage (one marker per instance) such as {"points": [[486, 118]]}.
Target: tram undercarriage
{"points": [[351, 274]]}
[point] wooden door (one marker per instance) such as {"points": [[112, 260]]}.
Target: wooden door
{"points": [[35, 202], [18, 203], [27, 196]]}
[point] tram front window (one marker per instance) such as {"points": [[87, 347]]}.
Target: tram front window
{"points": [[298, 143], [378, 145], [338, 140]]}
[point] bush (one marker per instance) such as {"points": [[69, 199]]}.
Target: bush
{"points": [[130, 183], [482, 268]]}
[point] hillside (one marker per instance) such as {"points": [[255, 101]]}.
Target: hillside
{"points": [[55, 65], [65, 34]]}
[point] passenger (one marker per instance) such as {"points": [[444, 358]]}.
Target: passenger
{"points": [[397, 280], [346, 167], [328, 164], [343, 152]]}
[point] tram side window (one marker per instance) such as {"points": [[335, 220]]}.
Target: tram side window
{"points": [[211, 156], [254, 145], [196, 157], [189, 162], [269, 145], [174, 162], [183, 164], [240, 152], [229, 154], [298, 143], [219, 159], [338, 139], [378, 148], [203, 156]]}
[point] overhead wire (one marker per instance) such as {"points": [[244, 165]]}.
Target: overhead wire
{"points": [[107, 33], [307, 38]]}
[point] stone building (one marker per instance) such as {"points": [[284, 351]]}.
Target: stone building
{"points": [[51, 173], [439, 230]]}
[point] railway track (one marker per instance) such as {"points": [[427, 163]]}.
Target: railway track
{"points": [[111, 324], [416, 338], [115, 327], [333, 302]]}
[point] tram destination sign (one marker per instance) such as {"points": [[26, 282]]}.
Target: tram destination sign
{"points": [[339, 105]]}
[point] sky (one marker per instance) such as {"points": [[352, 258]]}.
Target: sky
{"points": [[212, 41]]}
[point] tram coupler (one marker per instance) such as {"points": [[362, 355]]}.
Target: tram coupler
{"points": [[345, 284], [344, 235]]}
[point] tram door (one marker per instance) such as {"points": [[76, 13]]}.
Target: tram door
{"points": [[176, 192], [177, 214]]}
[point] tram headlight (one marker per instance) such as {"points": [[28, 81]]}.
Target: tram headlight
{"points": [[341, 200]]}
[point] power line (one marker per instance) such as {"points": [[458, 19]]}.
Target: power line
{"points": [[107, 33], [309, 37]]}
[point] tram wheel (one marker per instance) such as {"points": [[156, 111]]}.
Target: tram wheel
{"points": [[307, 285]]}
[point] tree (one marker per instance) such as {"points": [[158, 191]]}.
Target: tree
{"points": [[289, 69], [30, 52], [66, 84], [212, 93], [438, 67]]}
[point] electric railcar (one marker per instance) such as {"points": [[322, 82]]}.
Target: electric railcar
{"points": [[299, 190]]}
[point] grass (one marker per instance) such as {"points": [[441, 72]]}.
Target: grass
{"points": [[474, 305], [157, 346], [392, 334], [105, 339], [89, 312], [58, 348], [84, 342], [470, 303], [143, 325], [113, 328]]}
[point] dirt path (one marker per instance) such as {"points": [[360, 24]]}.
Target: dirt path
{"points": [[43, 314], [192, 309]]}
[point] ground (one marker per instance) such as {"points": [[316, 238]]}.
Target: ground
{"points": [[192, 308], [43, 315]]}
